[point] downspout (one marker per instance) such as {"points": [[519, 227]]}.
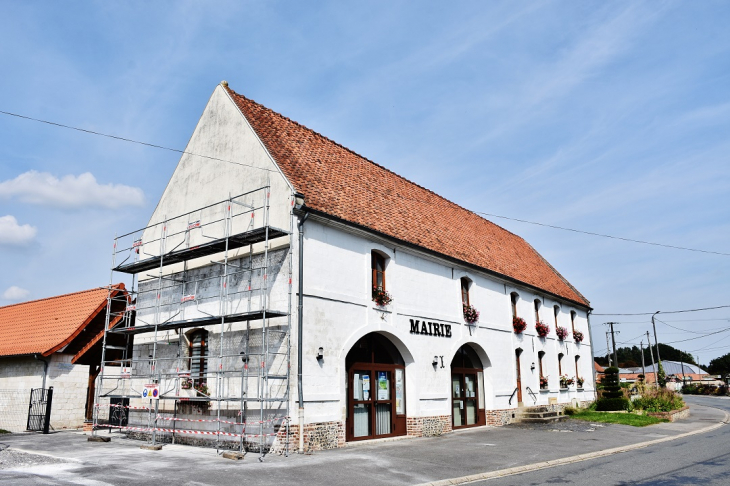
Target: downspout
{"points": [[45, 368], [593, 357], [300, 327]]}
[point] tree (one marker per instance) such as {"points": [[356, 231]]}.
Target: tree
{"points": [[631, 357], [661, 376], [613, 396], [720, 366]]}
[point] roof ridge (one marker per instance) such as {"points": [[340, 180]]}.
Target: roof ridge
{"points": [[119, 286], [366, 159]]}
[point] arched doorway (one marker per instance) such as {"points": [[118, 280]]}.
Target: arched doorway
{"points": [[467, 389], [376, 384]]}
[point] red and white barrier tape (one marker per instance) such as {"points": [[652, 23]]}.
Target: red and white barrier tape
{"points": [[257, 422], [99, 405], [182, 431]]}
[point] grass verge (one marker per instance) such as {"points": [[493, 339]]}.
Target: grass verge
{"points": [[617, 418], [3, 431]]}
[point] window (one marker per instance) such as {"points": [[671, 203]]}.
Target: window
{"points": [[560, 364], [465, 284], [540, 356], [514, 297], [537, 310], [577, 375], [572, 320], [198, 356], [378, 266], [556, 310]]}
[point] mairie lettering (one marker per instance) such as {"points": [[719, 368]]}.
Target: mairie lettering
{"points": [[430, 328]]}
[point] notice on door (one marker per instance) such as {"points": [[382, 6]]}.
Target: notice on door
{"points": [[383, 386], [366, 387]]}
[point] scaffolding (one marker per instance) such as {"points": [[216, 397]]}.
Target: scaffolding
{"points": [[233, 387]]}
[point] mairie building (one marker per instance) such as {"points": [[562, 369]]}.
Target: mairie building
{"points": [[409, 315]]}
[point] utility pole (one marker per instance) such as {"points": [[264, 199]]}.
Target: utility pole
{"points": [[656, 341], [608, 350], [643, 370], [656, 379], [613, 338], [681, 361]]}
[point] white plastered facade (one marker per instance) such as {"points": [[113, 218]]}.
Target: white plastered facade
{"points": [[337, 306]]}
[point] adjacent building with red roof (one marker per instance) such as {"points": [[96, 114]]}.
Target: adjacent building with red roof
{"points": [[52, 342]]}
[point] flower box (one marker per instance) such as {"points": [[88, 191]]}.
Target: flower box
{"points": [[471, 315], [518, 324], [561, 332], [381, 297], [542, 329], [565, 381], [578, 336]]}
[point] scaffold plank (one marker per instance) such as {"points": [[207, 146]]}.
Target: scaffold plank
{"points": [[200, 321], [210, 248]]}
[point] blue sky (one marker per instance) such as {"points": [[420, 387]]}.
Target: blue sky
{"points": [[606, 117]]}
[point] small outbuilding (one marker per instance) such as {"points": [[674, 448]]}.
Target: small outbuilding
{"points": [[53, 342]]}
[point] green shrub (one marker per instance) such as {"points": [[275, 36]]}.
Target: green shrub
{"points": [[612, 404], [570, 411], [659, 400], [611, 384]]}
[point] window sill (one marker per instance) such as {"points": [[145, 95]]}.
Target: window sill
{"points": [[544, 390], [564, 389]]}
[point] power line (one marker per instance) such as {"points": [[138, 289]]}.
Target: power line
{"points": [[123, 139], [698, 337], [680, 329], [666, 312], [147, 144]]}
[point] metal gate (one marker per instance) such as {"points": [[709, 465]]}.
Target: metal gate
{"points": [[39, 409]]}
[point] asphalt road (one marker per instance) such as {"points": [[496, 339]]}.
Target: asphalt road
{"points": [[66, 458], [700, 459]]}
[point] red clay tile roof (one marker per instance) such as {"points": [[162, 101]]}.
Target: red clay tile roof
{"points": [[338, 182], [44, 326]]}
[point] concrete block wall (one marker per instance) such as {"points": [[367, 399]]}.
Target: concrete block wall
{"points": [[70, 383]]}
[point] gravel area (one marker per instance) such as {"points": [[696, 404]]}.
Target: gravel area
{"points": [[11, 458]]}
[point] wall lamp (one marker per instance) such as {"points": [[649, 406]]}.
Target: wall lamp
{"points": [[244, 357], [320, 354], [435, 362], [532, 366]]}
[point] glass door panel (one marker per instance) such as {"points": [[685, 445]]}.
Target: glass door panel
{"points": [[384, 403], [361, 420], [458, 403], [382, 418], [471, 412], [470, 402], [470, 386]]}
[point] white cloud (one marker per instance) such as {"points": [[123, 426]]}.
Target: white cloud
{"points": [[11, 233], [15, 293], [70, 192]]}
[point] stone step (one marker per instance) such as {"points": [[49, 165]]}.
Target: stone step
{"points": [[541, 414], [543, 420]]}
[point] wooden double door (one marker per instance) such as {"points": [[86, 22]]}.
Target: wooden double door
{"points": [[465, 393], [376, 396], [467, 389]]}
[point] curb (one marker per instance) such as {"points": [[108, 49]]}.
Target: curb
{"points": [[572, 459]]}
